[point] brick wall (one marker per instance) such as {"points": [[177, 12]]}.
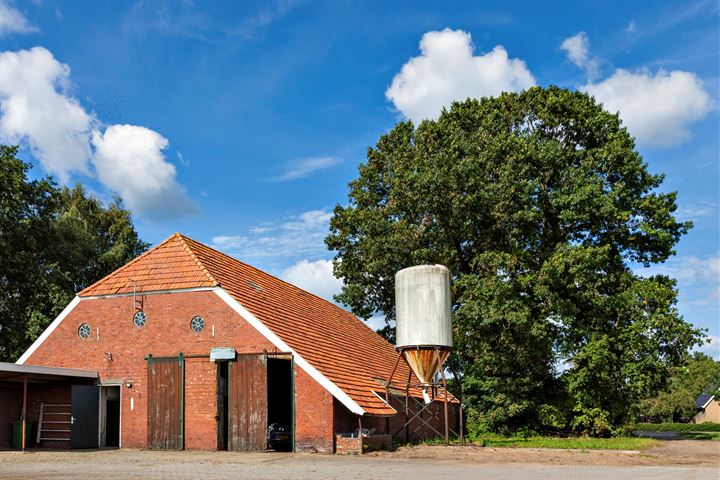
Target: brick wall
{"points": [[55, 395], [200, 404], [168, 332], [313, 415], [347, 445], [11, 397], [360, 445]]}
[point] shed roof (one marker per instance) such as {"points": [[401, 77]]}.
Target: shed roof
{"points": [[15, 372], [335, 342]]}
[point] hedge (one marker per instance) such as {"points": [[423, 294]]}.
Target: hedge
{"points": [[678, 427]]}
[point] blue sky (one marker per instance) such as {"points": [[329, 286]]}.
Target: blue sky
{"points": [[240, 123]]}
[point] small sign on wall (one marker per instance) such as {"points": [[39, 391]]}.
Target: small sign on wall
{"points": [[222, 353]]}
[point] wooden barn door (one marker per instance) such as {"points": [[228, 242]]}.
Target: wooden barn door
{"points": [[165, 403], [248, 406]]}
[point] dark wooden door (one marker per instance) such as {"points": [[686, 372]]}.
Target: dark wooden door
{"points": [[165, 415], [84, 408], [248, 406]]}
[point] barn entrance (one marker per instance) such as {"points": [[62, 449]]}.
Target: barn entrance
{"points": [[281, 416], [254, 392], [110, 416], [222, 405]]}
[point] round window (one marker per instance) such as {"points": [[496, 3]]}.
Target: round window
{"points": [[140, 319], [84, 331], [197, 324]]}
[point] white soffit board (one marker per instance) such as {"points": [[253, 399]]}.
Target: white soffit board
{"points": [[66, 311], [328, 385]]}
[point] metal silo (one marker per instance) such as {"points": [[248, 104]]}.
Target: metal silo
{"points": [[424, 340], [423, 320]]}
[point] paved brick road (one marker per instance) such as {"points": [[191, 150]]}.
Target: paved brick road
{"points": [[134, 464]]}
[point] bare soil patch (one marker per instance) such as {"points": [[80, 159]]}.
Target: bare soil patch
{"points": [[695, 453]]}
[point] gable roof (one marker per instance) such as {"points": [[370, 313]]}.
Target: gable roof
{"points": [[170, 265], [333, 341], [703, 400]]}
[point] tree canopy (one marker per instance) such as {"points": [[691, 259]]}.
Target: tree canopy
{"points": [[54, 242], [701, 374], [540, 206]]}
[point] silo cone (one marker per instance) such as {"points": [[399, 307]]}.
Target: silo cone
{"points": [[425, 363]]}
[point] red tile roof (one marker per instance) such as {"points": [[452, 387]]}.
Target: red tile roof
{"points": [[338, 344]]}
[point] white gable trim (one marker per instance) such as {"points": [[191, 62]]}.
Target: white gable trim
{"points": [[328, 385], [51, 328], [708, 402]]}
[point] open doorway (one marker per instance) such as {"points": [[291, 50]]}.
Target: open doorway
{"points": [[110, 416], [222, 405], [280, 404]]}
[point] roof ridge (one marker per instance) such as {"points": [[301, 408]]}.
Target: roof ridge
{"points": [[127, 265], [276, 278], [183, 240]]}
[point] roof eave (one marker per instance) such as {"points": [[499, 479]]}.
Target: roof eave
{"points": [[325, 382]]}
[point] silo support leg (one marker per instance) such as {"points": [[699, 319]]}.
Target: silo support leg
{"points": [[445, 403]]}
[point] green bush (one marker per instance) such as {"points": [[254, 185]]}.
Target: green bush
{"points": [[678, 427], [593, 422]]}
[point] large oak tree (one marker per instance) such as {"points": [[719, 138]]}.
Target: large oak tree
{"points": [[541, 206]]}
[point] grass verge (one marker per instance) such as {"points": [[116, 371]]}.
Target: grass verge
{"points": [[579, 443]]}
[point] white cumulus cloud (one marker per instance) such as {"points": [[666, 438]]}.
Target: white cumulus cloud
{"points": [[13, 21], [447, 70], [303, 167], [129, 160], [656, 108], [711, 347], [688, 268], [315, 277], [36, 108], [577, 48], [294, 238]]}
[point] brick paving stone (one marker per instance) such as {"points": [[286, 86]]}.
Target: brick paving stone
{"points": [[141, 464]]}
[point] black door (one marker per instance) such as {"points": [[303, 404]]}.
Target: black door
{"points": [[84, 406]]}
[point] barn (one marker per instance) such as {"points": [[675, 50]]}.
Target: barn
{"points": [[189, 348]]}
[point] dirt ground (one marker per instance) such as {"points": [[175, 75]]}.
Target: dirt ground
{"points": [[696, 453], [673, 460]]}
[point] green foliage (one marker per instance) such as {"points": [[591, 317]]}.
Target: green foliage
{"points": [[701, 436], [539, 205], [678, 427], [54, 242], [701, 374]]}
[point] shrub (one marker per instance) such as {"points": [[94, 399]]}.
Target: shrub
{"points": [[678, 427], [594, 422]]}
